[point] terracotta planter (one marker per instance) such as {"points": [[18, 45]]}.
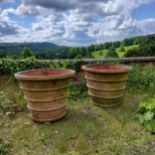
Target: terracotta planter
{"points": [[106, 83], [46, 92]]}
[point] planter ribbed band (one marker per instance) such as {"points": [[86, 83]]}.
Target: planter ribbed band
{"points": [[106, 83], [46, 92]]}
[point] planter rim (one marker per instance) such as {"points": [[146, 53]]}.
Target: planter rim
{"points": [[107, 68], [44, 74]]}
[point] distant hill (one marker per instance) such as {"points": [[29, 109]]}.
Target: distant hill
{"points": [[129, 47], [16, 48]]}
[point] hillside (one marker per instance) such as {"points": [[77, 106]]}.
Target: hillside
{"points": [[16, 48], [102, 53], [129, 47]]}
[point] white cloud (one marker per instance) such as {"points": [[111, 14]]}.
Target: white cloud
{"points": [[6, 1], [28, 10], [146, 26], [78, 21]]}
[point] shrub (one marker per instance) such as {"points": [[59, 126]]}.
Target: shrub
{"points": [[112, 53], [78, 89], [133, 52], [4, 147], [142, 78], [6, 105], [122, 49], [146, 114], [11, 104], [11, 66], [145, 49], [26, 53]]}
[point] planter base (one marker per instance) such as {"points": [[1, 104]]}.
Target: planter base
{"points": [[107, 103], [47, 120], [44, 116]]}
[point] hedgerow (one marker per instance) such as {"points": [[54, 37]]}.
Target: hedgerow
{"points": [[10, 66], [142, 78]]}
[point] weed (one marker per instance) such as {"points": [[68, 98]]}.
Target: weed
{"points": [[142, 79], [6, 105], [4, 147], [11, 98], [78, 89], [146, 114]]}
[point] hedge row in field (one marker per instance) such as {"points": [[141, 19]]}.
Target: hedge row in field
{"points": [[11, 66], [139, 78]]}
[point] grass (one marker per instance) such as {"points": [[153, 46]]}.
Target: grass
{"points": [[99, 54], [121, 54], [85, 130], [102, 53]]}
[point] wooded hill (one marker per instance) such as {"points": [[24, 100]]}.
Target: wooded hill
{"points": [[134, 46]]}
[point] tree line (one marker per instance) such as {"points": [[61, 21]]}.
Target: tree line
{"points": [[146, 47]]}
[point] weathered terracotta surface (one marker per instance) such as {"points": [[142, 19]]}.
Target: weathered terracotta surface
{"points": [[46, 92], [106, 83]]}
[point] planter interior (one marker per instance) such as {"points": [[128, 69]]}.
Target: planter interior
{"points": [[46, 92], [106, 83]]}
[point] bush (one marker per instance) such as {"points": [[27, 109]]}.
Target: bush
{"points": [[133, 52], [143, 50], [11, 66], [4, 147], [122, 49], [146, 114], [6, 105], [78, 89], [26, 53], [11, 104], [142, 78], [112, 53]]}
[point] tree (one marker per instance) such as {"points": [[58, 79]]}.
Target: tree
{"points": [[122, 49], [100, 53], [92, 48], [26, 53], [128, 41], [112, 54], [2, 54], [133, 52]]}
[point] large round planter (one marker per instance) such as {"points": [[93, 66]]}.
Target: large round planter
{"points": [[106, 83], [46, 92]]}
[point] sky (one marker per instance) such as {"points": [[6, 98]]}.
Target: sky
{"points": [[75, 22]]}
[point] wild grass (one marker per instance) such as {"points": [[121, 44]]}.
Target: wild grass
{"points": [[85, 130], [99, 54], [102, 53], [122, 53], [142, 78]]}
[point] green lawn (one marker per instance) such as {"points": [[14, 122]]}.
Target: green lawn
{"points": [[85, 130]]}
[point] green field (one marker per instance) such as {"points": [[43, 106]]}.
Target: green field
{"points": [[121, 54], [99, 54], [102, 53]]}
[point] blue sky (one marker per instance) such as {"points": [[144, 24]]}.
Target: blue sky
{"points": [[145, 11], [75, 22]]}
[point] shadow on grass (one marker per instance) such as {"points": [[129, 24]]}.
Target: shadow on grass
{"points": [[125, 111]]}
